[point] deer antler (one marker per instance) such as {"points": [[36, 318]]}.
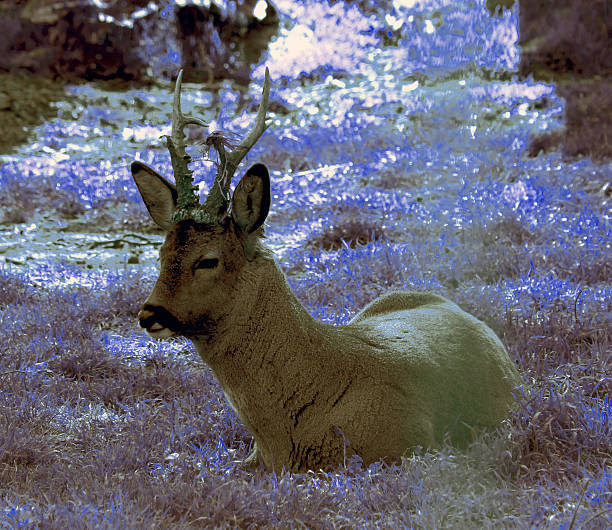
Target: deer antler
{"points": [[187, 196], [217, 202]]}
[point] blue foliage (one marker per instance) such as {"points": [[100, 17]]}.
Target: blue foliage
{"points": [[397, 155]]}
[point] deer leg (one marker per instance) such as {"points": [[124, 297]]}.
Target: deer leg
{"points": [[251, 462]]}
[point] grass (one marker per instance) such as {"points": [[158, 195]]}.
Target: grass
{"points": [[375, 188]]}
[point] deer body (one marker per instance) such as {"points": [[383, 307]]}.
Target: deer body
{"points": [[408, 370]]}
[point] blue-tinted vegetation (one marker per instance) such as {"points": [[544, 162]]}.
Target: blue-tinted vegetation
{"points": [[398, 161]]}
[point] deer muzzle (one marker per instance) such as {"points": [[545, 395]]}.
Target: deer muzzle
{"points": [[157, 321]]}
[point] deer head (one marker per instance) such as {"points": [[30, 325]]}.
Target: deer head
{"points": [[207, 244]]}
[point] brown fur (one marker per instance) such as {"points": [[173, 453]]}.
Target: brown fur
{"points": [[408, 370]]}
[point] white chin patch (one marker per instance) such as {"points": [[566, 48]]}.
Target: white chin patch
{"points": [[157, 331]]}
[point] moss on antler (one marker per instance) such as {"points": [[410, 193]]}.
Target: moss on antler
{"points": [[217, 202], [187, 193]]}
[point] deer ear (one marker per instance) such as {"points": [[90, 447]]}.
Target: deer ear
{"points": [[251, 199], [158, 194]]}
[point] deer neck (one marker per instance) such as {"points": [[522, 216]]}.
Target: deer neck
{"points": [[269, 360], [270, 340]]}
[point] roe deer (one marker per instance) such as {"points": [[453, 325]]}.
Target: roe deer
{"points": [[409, 369]]}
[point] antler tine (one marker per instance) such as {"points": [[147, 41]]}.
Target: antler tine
{"points": [[187, 195], [217, 200], [235, 157]]}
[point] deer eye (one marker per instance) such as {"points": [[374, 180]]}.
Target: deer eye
{"points": [[206, 263]]}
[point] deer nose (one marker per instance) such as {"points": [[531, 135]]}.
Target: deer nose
{"points": [[145, 316], [156, 321], [155, 318]]}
